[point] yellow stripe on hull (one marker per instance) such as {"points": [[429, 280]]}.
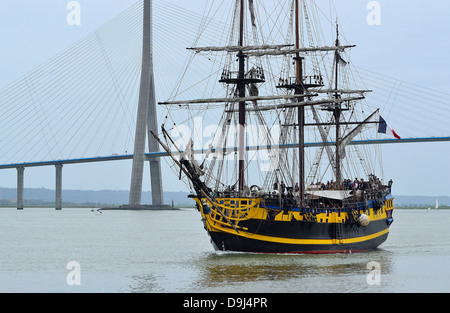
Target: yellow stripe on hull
{"points": [[300, 241]]}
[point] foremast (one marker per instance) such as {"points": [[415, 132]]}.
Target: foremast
{"points": [[241, 91], [299, 90], [241, 82]]}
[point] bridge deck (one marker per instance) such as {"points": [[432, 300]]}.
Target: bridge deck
{"points": [[249, 148]]}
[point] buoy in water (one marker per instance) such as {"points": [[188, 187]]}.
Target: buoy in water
{"points": [[363, 220]]}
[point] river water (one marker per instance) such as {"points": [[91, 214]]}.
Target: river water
{"points": [[76, 250]]}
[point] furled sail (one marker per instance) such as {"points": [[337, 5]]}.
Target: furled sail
{"points": [[352, 134], [188, 155]]}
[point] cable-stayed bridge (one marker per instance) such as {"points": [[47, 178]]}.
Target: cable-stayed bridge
{"points": [[82, 105]]}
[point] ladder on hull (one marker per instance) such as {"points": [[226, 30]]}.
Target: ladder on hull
{"points": [[339, 233]]}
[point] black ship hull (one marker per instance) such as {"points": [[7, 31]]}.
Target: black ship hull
{"points": [[312, 231], [320, 240]]}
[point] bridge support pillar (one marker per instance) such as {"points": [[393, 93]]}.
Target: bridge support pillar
{"points": [[58, 187], [20, 179], [156, 183], [146, 123], [152, 126], [137, 170]]}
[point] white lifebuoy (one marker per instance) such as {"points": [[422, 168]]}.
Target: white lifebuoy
{"points": [[363, 220]]}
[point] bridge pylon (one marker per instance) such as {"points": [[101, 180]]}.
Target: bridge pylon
{"points": [[147, 122]]}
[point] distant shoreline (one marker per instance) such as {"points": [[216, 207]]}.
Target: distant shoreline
{"points": [[75, 206], [42, 197], [31, 206], [421, 207]]}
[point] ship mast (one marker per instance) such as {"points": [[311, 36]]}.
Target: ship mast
{"points": [[337, 111], [301, 109], [241, 92]]}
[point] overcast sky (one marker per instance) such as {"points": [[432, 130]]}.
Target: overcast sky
{"points": [[411, 44]]}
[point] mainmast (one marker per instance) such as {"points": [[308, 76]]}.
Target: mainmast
{"points": [[301, 109], [300, 85], [337, 110]]}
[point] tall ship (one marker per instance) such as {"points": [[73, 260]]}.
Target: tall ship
{"points": [[286, 166]]}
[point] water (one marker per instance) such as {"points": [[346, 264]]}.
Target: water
{"points": [[169, 251]]}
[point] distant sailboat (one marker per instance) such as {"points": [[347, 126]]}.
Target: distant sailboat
{"points": [[436, 205], [97, 211]]}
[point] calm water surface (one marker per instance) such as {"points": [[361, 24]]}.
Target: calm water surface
{"points": [[169, 251]]}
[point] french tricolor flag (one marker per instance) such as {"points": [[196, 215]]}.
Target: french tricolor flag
{"points": [[384, 128]]}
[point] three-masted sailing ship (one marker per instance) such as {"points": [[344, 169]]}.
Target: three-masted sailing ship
{"points": [[303, 197]]}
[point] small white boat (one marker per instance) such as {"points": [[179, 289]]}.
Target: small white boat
{"points": [[436, 206]]}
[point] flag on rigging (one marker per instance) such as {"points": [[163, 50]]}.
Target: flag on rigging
{"points": [[384, 128], [341, 60]]}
